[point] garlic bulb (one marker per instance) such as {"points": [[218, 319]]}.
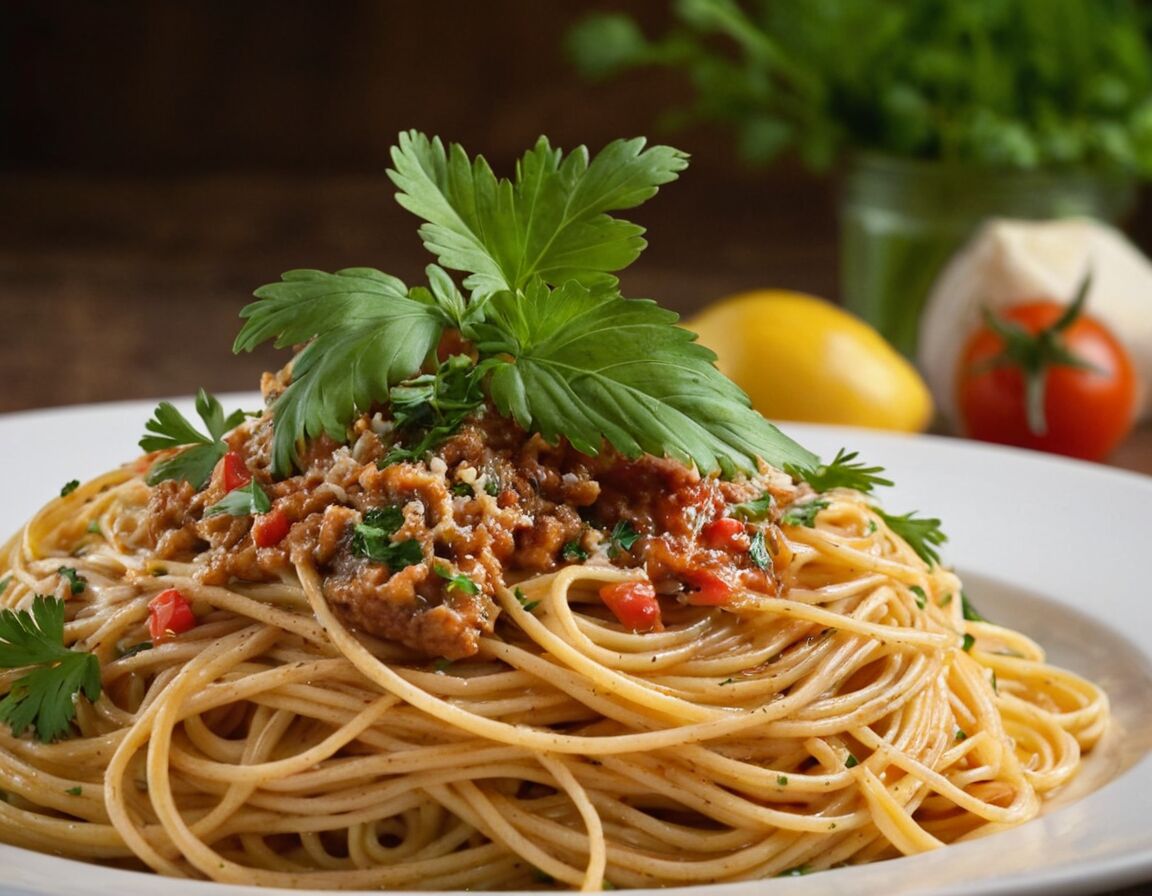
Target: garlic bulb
{"points": [[1008, 262]]}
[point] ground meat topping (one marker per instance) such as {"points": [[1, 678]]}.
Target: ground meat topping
{"points": [[488, 501]]}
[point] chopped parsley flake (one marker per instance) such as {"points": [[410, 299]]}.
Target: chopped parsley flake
{"points": [[622, 538], [528, 605], [372, 538], [753, 510], [758, 551], [851, 761], [70, 486], [457, 581], [782, 780], [803, 514], [76, 581], [921, 597], [574, 551], [966, 645]]}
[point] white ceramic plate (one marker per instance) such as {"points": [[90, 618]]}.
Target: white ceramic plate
{"points": [[1053, 547]]}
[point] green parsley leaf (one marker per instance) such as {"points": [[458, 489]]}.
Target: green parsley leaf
{"points": [[798, 871], [169, 428], [782, 780], [135, 649], [969, 611], [550, 222], [76, 582], [968, 642], [803, 514], [528, 605], [594, 367], [920, 533], [43, 697], [442, 665], [961, 734], [755, 509], [622, 537], [74, 791], [366, 335], [372, 538], [921, 597], [844, 472], [758, 551], [247, 500], [574, 552], [70, 486], [462, 490], [457, 581], [851, 761]]}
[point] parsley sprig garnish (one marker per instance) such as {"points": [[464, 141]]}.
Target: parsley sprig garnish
{"points": [[557, 346], [843, 472], [171, 429], [44, 697], [923, 534]]}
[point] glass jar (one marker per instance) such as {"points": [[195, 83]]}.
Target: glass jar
{"points": [[902, 219]]}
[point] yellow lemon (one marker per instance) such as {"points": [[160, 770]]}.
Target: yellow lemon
{"points": [[802, 358]]}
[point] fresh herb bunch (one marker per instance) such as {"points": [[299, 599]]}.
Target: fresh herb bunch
{"points": [[1002, 83], [557, 347]]}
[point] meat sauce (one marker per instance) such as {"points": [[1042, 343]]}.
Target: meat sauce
{"points": [[492, 504]]}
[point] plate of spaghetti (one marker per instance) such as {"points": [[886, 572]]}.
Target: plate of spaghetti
{"points": [[498, 585]]}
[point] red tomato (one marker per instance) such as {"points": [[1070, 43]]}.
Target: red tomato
{"points": [[714, 590], [725, 534], [1087, 410], [634, 604], [169, 614], [233, 471], [269, 529]]}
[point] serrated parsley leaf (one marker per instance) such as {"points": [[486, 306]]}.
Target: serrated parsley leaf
{"points": [[594, 367], [168, 428], [843, 472], [246, 500], [457, 581], [921, 533], [549, 222], [44, 697], [367, 334]]}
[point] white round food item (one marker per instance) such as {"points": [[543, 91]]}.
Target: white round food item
{"points": [[1008, 262]]}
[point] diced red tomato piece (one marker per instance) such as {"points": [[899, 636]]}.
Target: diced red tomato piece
{"points": [[269, 528], [713, 589], [234, 471], [725, 534], [634, 604], [169, 615]]}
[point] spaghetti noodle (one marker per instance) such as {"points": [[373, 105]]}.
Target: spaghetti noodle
{"points": [[841, 720]]}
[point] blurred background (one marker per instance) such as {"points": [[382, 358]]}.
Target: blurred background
{"points": [[160, 160]]}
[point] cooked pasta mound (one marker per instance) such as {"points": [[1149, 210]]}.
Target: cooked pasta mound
{"points": [[510, 665]]}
